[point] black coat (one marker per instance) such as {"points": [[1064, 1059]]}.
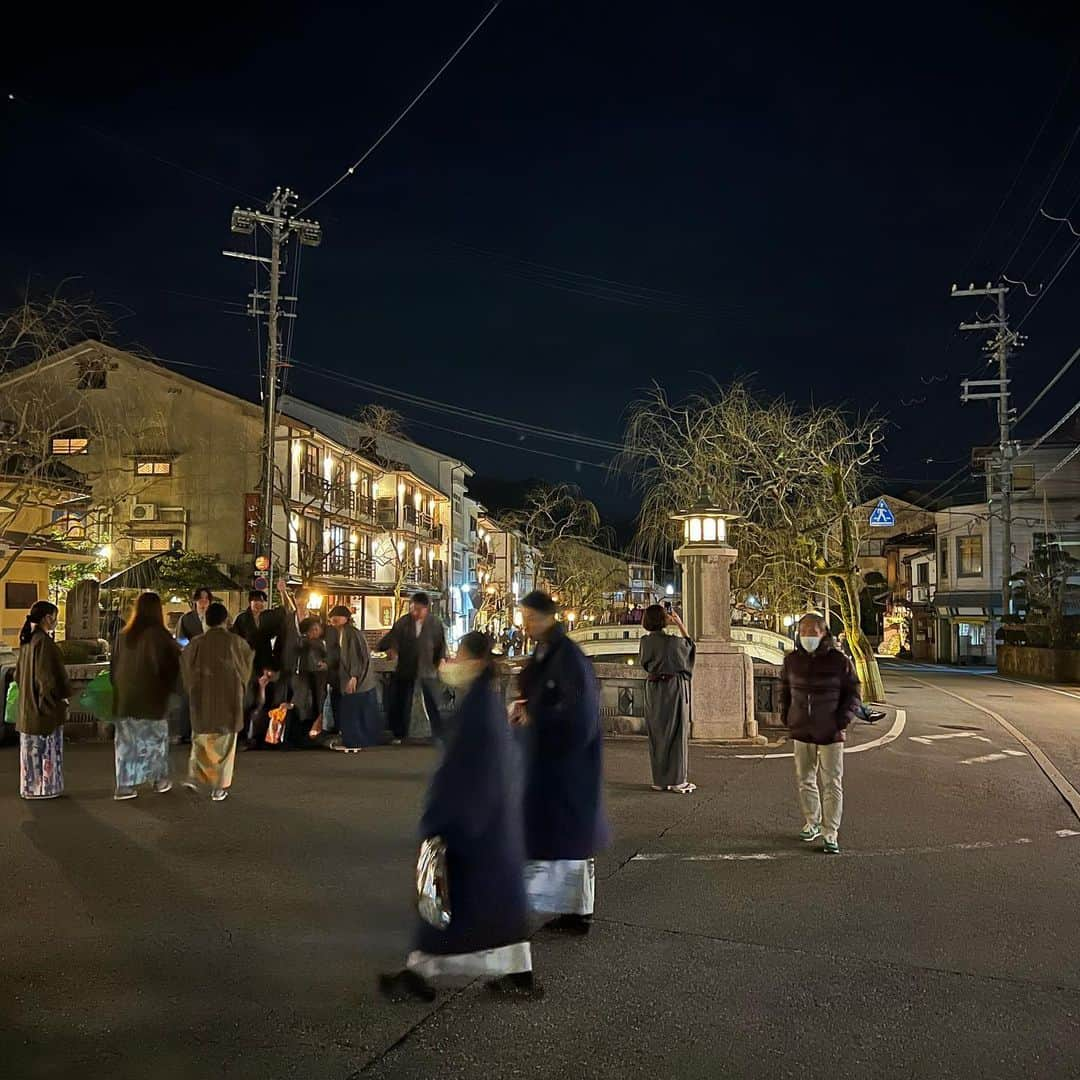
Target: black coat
{"points": [[564, 811], [288, 643], [257, 635], [474, 805], [819, 694], [418, 656], [190, 626]]}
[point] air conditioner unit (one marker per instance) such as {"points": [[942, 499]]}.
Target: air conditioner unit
{"points": [[144, 512]]}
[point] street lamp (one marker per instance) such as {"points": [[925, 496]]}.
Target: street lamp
{"points": [[703, 523]]}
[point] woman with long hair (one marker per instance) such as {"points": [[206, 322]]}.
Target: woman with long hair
{"points": [[472, 809], [43, 700], [668, 663], [145, 669]]}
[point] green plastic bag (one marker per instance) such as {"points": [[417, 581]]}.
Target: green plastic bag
{"points": [[11, 708], [97, 698]]}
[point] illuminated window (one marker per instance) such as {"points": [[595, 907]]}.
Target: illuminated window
{"points": [[709, 532], [969, 556], [153, 468], [70, 444], [151, 545], [695, 530]]}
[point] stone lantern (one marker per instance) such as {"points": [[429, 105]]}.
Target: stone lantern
{"points": [[722, 690]]}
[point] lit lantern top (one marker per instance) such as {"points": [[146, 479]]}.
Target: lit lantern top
{"points": [[704, 522]]}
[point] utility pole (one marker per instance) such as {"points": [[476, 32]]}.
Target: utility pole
{"points": [[1000, 347], [278, 221]]}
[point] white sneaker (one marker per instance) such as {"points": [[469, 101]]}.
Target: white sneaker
{"points": [[219, 794], [125, 793], [161, 786], [191, 785]]}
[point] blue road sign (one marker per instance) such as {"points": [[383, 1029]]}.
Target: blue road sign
{"points": [[882, 515]]}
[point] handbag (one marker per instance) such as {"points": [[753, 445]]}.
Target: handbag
{"points": [[97, 698], [432, 885], [276, 728], [11, 706]]}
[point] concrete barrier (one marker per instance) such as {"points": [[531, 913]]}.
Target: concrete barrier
{"points": [[1043, 665]]}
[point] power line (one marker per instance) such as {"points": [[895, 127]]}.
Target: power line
{"points": [[405, 112], [1046, 389], [1042, 438], [1049, 187], [461, 411], [1023, 164], [133, 148]]}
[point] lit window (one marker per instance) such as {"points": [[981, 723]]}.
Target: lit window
{"points": [[710, 529], [70, 444], [969, 556], [151, 545], [695, 530], [153, 468]]}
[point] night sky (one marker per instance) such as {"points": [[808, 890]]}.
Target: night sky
{"points": [[594, 196]]}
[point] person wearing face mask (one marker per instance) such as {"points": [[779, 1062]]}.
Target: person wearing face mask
{"points": [[473, 806], [819, 696]]}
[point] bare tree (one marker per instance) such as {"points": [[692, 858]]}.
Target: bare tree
{"points": [[66, 454], [565, 529], [796, 477]]}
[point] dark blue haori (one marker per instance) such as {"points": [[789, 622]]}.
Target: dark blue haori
{"points": [[474, 804], [564, 810]]}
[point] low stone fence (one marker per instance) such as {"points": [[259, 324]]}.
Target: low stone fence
{"points": [[1045, 665]]}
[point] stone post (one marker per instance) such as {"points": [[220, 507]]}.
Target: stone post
{"points": [[83, 616], [722, 690]]}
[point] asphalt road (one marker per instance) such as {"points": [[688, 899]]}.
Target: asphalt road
{"points": [[171, 937]]}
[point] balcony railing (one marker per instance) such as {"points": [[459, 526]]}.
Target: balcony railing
{"points": [[339, 497], [432, 577], [356, 567]]}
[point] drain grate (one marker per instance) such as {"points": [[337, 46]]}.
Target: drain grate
{"points": [[910, 686], [1009, 696], [960, 727]]}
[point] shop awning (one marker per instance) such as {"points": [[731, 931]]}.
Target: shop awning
{"points": [[981, 602]]}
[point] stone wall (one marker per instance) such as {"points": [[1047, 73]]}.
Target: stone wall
{"points": [[1045, 665]]}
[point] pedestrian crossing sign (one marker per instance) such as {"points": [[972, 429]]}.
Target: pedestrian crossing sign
{"points": [[882, 515]]}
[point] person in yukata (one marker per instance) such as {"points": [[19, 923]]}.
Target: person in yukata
{"points": [[565, 823], [668, 663], [472, 806]]}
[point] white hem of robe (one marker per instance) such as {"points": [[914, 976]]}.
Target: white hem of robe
{"points": [[561, 886], [505, 960]]}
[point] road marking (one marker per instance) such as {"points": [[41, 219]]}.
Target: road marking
{"points": [[1036, 686], [893, 733], [993, 757], [928, 739], [1051, 771], [773, 856]]}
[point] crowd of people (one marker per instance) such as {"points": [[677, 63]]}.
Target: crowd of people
{"points": [[518, 839]]}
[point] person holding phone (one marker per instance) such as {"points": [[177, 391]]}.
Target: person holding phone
{"points": [[668, 663]]}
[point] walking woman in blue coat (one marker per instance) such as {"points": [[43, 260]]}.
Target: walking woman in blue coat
{"points": [[471, 805], [565, 824]]}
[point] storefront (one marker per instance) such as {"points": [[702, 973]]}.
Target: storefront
{"points": [[967, 625]]}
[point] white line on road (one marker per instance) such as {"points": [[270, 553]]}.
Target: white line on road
{"points": [[1036, 686], [1052, 772], [772, 856], [993, 757], [893, 733], [928, 739]]}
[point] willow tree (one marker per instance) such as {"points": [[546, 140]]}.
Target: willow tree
{"points": [[565, 529], [796, 477]]}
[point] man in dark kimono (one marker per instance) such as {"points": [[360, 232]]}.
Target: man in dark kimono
{"points": [[565, 824], [418, 640], [473, 807], [353, 694]]}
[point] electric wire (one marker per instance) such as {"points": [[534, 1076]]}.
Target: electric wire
{"points": [[1046, 435], [461, 411], [405, 112], [1046, 389], [1049, 187], [977, 251]]}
